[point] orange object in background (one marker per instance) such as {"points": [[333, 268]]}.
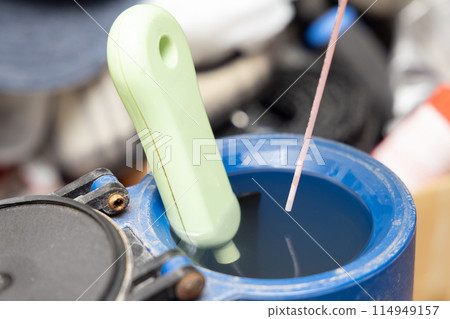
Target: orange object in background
{"points": [[418, 148], [418, 151], [441, 101], [432, 276]]}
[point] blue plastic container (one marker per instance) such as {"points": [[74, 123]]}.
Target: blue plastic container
{"points": [[351, 211]]}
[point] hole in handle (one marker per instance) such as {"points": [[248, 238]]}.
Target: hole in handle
{"points": [[168, 51]]}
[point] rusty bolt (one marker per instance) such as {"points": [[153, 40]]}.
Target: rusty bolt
{"points": [[190, 286], [116, 202]]}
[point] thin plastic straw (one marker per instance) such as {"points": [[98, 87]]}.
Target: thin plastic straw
{"points": [[316, 104]]}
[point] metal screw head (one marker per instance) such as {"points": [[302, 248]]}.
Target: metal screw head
{"points": [[190, 286], [116, 202]]}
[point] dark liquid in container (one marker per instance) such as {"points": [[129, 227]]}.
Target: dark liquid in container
{"points": [[273, 245]]}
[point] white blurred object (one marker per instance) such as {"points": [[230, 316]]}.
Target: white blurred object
{"points": [[240, 119], [40, 177], [230, 86], [418, 147], [92, 126], [217, 29], [421, 53]]}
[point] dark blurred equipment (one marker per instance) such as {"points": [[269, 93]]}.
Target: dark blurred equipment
{"points": [[57, 101], [380, 16], [226, 88], [24, 124], [357, 100], [380, 8], [78, 120], [60, 247], [51, 51]]}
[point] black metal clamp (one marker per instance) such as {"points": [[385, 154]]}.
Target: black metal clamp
{"points": [[101, 190], [111, 198], [149, 282]]}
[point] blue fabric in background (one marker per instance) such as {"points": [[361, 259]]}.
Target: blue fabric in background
{"points": [[53, 45]]}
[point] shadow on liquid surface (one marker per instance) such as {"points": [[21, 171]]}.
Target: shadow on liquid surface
{"points": [[273, 246]]}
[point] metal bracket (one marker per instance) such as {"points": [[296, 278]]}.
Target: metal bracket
{"points": [[111, 198], [149, 282], [100, 189]]}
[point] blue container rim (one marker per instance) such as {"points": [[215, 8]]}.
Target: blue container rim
{"points": [[371, 262]]}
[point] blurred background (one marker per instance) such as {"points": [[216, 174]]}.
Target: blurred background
{"points": [[388, 92]]}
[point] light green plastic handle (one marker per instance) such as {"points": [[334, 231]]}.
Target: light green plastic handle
{"points": [[151, 66]]}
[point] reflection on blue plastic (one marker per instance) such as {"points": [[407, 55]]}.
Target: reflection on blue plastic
{"points": [[318, 32], [103, 180], [175, 263]]}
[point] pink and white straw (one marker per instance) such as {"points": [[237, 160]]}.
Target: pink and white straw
{"points": [[316, 103]]}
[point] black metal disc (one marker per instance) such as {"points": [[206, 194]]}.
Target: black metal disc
{"points": [[53, 248]]}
